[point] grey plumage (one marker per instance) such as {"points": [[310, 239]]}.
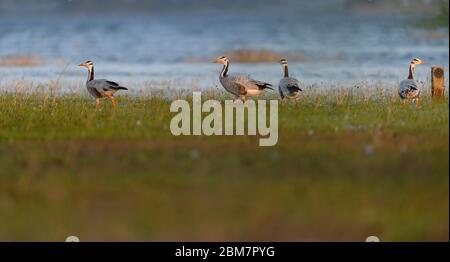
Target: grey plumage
{"points": [[103, 88], [407, 89], [240, 86], [100, 88], [288, 86]]}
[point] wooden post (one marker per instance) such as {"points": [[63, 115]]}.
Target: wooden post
{"points": [[437, 81]]}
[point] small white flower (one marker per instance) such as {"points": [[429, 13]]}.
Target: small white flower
{"points": [[403, 149], [195, 153], [368, 149]]}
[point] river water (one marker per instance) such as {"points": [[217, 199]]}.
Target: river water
{"points": [[176, 49]]}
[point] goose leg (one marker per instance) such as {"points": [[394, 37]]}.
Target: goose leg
{"points": [[417, 102], [297, 101], [113, 102], [242, 98], [97, 103]]}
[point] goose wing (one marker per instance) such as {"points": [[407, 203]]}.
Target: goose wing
{"points": [[103, 85], [408, 89], [249, 83], [289, 85], [234, 85]]}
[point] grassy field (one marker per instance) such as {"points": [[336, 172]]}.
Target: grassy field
{"points": [[348, 164]]}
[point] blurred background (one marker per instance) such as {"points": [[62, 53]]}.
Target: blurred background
{"points": [[350, 162], [155, 43]]}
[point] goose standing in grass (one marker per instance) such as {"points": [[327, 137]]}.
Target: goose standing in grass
{"points": [[408, 89], [240, 86], [100, 88], [289, 87]]}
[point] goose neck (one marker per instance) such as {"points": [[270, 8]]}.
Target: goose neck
{"points": [[90, 73], [286, 70], [225, 69], [411, 71]]}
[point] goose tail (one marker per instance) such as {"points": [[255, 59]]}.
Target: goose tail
{"points": [[265, 86]]}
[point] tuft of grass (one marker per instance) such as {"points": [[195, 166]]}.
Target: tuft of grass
{"points": [[348, 164], [441, 19]]}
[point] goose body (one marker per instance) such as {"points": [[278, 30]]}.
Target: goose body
{"points": [[408, 89], [288, 87], [100, 88], [240, 86]]}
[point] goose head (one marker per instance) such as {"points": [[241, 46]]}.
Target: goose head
{"points": [[88, 64], [417, 61], [283, 61], [222, 60]]}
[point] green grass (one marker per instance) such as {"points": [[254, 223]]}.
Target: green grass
{"points": [[348, 164]]}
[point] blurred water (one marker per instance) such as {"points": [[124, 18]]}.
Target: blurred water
{"points": [[134, 49]]}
